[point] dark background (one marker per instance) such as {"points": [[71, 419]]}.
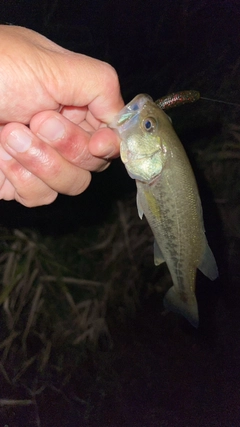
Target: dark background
{"points": [[156, 47]]}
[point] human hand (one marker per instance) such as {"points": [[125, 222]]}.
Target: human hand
{"points": [[67, 99]]}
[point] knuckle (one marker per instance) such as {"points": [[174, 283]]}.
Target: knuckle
{"points": [[80, 185], [39, 200], [111, 79]]}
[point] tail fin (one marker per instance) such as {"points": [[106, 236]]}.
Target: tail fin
{"points": [[189, 308]]}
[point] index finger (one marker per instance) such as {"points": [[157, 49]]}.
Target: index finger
{"points": [[93, 82]]}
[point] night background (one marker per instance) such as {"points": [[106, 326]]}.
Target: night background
{"points": [[84, 338]]}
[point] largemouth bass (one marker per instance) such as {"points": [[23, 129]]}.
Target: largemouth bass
{"points": [[167, 195]]}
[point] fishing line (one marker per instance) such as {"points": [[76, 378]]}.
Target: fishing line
{"points": [[222, 102]]}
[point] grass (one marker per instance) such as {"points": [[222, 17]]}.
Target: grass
{"points": [[57, 294]]}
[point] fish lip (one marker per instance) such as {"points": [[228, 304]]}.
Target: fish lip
{"points": [[122, 119], [128, 113]]}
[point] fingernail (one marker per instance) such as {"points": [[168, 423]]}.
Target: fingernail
{"points": [[108, 154], [4, 155], [52, 129], [19, 140], [105, 150], [109, 150]]}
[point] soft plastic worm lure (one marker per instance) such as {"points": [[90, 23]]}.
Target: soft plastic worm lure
{"points": [[185, 97], [177, 98]]}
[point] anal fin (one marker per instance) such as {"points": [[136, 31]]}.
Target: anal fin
{"points": [[208, 264], [158, 256]]}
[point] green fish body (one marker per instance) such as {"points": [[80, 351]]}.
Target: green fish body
{"points": [[167, 195]]}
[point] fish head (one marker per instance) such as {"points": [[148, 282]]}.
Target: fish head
{"points": [[141, 125]]}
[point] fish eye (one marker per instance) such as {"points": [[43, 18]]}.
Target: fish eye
{"points": [[149, 124]]}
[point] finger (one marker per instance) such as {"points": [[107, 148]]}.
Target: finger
{"points": [[82, 117], [40, 195], [32, 156], [72, 142], [93, 83], [104, 143], [29, 191], [7, 191]]}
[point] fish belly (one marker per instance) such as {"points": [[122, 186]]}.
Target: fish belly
{"points": [[173, 210]]}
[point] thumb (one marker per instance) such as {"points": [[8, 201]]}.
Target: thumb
{"points": [[83, 80]]}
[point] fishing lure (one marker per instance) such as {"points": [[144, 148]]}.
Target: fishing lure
{"points": [[185, 97], [178, 98]]}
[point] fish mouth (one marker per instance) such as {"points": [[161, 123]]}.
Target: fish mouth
{"points": [[123, 119], [129, 114]]}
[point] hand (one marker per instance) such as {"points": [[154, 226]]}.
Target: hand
{"points": [[66, 99]]}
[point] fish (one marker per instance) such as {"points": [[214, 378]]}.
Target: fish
{"points": [[167, 194]]}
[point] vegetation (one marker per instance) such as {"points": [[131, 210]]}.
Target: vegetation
{"points": [[58, 296]]}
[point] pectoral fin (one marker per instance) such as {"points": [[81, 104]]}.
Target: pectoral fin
{"points": [[208, 264], [139, 207], [158, 256]]}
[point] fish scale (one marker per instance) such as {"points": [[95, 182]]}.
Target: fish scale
{"points": [[167, 195]]}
